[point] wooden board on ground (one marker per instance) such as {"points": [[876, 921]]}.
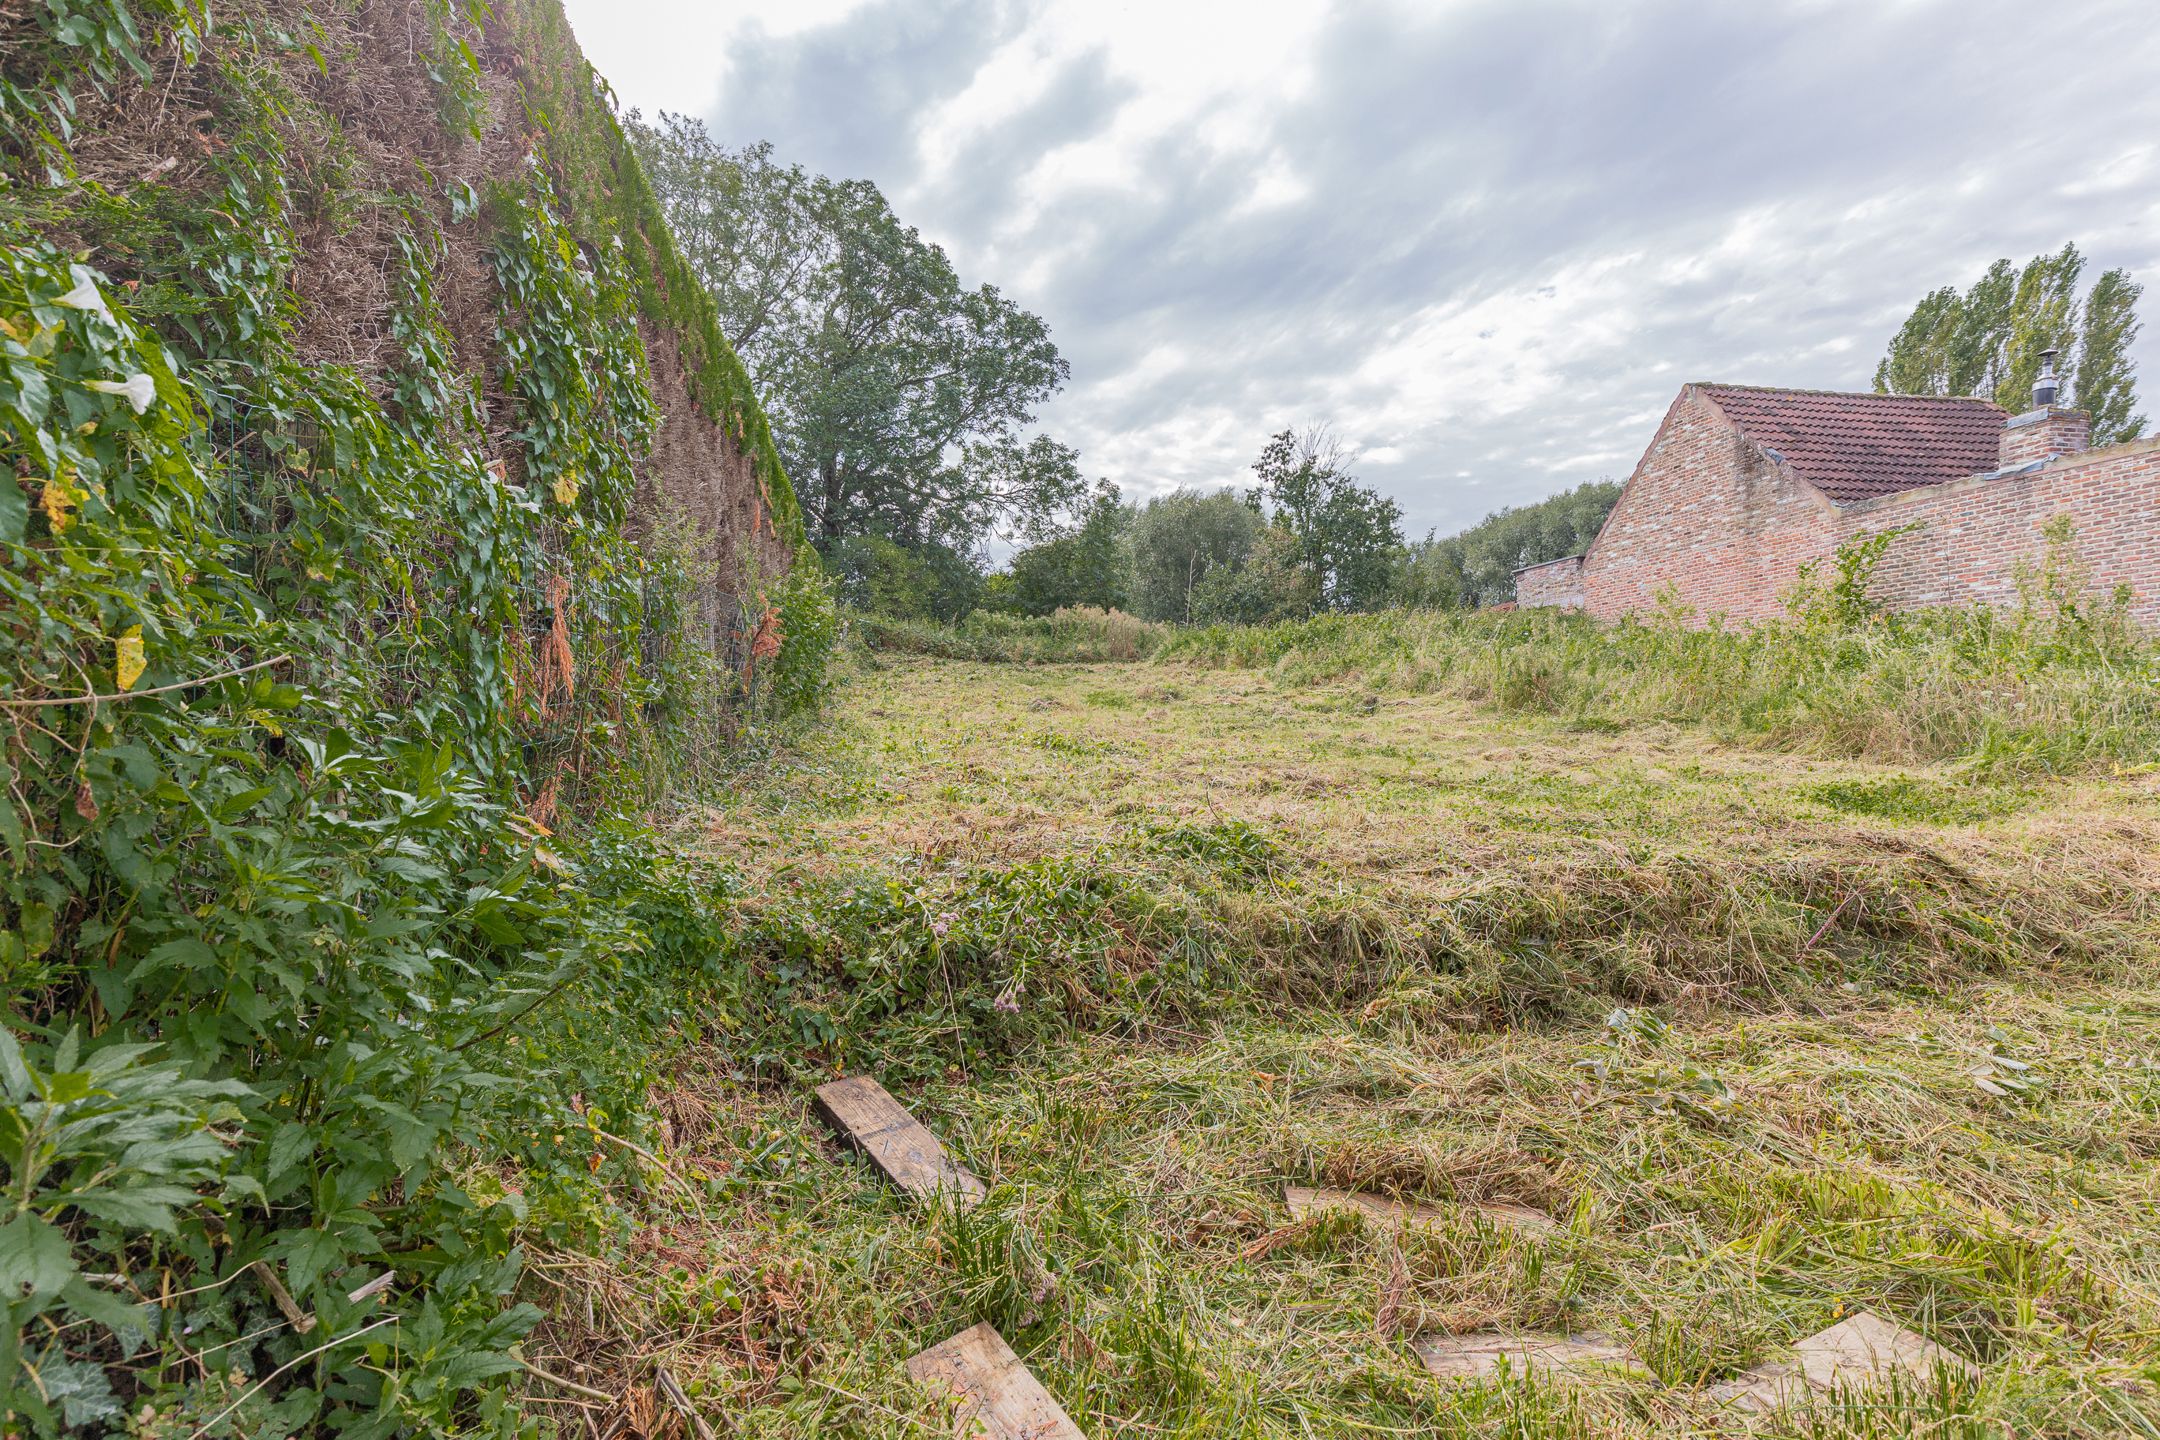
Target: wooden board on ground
{"points": [[1480, 1357], [999, 1398], [1850, 1354], [911, 1157], [1304, 1203]]}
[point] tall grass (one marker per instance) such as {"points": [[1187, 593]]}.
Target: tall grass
{"points": [[2004, 692], [1069, 634]]}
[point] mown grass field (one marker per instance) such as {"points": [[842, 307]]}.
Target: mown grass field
{"points": [[1774, 1039]]}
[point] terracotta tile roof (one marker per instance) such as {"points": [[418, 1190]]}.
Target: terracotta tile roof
{"points": [[1856, 447]]}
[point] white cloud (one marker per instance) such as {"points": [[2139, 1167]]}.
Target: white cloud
{"points": [[674, 54], [1488, 240]]}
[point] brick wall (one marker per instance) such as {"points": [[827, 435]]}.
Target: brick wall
{"points": [[1556, 582], [2044, 434], [1729, 528], [1978, 530], [1712, 516]]}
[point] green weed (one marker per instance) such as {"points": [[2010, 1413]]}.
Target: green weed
{"points": [[1235, 850], [1910, 798]]}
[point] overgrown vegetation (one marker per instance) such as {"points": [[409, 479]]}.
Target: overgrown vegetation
{"points": [[2021, 692], [318, 677], [2062, 681], [1078, 633], [1145, 943]]}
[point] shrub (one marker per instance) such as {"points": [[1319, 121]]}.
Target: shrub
{"points": [[1272, 585], [809, 621], [903, 582], [1086, 566], [1078, 633], [1841, 601]]}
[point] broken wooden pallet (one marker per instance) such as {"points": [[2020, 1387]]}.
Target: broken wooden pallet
{"points": [[1858, 1351], [1000, 1399], [1481, 1357], [1304, 1203], [911, 1157]]}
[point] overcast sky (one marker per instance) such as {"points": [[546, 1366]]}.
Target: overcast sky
{"points": [[1487, 239]]}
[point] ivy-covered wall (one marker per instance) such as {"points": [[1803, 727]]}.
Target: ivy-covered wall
{"points": [[385, 523]]}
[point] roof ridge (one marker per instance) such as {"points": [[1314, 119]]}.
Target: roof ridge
{"points": [[1839, 394], [1853, 445]]}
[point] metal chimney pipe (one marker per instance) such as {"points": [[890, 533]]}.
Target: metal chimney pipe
{"points": [[2045, 388]]}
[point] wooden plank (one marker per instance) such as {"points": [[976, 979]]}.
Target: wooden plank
{"points": [[1304, 1203], [911, 1157], [1480, 1357], [1862, 1350], [999, 1398]]}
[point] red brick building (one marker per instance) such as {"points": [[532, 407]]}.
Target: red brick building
{"points": [[1742, 485]]}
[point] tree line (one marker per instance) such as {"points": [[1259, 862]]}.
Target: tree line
{"points": [[1251, 559], [1306, 537], [903, 403]]}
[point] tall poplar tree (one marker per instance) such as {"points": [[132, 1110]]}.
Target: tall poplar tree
{"points": [[2106, 377], [1983, 348], [1988, 341], [2044, 315], [1924, 357]]}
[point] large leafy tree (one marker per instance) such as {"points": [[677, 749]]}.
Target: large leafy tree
{"points": [[1988, 340], [900, 397], [1179, 539], [1083, 564], [1349, 537]]}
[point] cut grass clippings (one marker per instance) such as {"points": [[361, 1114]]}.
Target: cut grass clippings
{"points": [[1765, 1059]]}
